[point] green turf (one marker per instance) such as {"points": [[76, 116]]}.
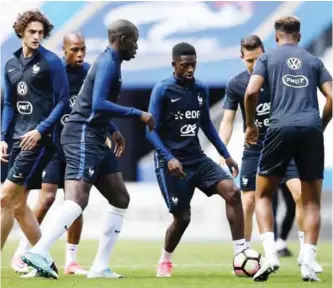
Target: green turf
{"points": [[199, 265]]}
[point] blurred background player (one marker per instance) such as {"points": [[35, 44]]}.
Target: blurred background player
{"points": [[251, 48], [35, 98], [74, 49], [180, 105], [295, 131], [88, 159], [281, 231]]}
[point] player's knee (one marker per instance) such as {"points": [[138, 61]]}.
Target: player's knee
{"points": [[232, 195], [248, 201], [124, 200], [183, 218], [47, 200], [121, 200], [6, 201], [297, 198]]}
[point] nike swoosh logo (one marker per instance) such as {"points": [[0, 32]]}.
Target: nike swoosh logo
{"points": [[116, 231], [175, 100], [18, 176], [10, 70]]}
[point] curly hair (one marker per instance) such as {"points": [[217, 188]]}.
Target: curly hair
{"points": [[27, 17]]}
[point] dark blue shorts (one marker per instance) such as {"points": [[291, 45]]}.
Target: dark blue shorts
{"points": [[54, 172], [26, 167], [89, 161], [177, 193], [249, 170], [304, 144]]}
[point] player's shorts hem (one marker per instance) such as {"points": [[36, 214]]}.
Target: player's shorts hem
{"points": [[173, 209], [286, 179], [209, 190], [247, 190], [79, 179], [26, 186], [311, 178], [19, 183], [50, 181], [270, 174]]}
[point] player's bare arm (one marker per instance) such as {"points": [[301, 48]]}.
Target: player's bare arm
{"points": [[250, 101], [226, 128], [326, 89]]}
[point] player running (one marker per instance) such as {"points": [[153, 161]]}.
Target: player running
{"points": [[36, 96], [74, 48], [296, 131], [89, 161], [180, 106]]}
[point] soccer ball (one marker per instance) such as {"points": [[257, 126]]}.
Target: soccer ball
{"points": [[246, 263]]}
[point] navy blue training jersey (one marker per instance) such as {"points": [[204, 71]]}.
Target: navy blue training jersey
{"points": [[91, 116], [292, 75], [76, 76], [179, 109], [234, 96], [35, 93]]}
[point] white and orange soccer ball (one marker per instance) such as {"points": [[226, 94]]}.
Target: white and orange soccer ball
{"points": [[247, 263]]}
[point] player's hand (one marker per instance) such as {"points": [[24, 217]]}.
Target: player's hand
{"points": [[4, 152], [148, 119], [251, 135], [176, 168], [233, 166], [120, 143], [30, 140], [108, 142]]}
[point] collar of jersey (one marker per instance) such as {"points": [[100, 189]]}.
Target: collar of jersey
{"points": [[289, 44], [115, 54], [18, 52], [63, 59], [182, 82]]}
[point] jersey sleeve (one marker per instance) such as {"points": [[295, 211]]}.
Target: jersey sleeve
{"points": [[156, 109], [60, 87], [209, 129], [105, 74], [230, 101], [324, 76], [260, 68], [8, 110]]}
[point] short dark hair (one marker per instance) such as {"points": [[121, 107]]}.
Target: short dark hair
{"points": [[288, 24], [250, 43], [181, 49], [27, 17]]}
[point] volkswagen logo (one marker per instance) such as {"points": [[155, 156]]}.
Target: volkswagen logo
{"points": [[22, 88], [294, 63]]}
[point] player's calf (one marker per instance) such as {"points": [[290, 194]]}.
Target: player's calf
{"points": [[8, 196], [234, 209], [46, 201], [248, 203]]}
